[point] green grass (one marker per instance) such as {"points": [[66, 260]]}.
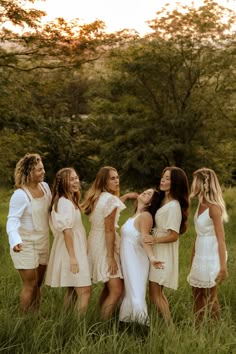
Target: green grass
{"points": [[54, 331]]}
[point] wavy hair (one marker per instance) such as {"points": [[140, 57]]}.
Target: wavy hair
{"points": [[179, 190], [207, 188], [24, 167], [61, 188], [98, 186]]}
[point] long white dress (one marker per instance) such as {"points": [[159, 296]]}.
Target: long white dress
{"points": [[97, 250], [58, 271], [167, 218], [206, 262], [135, 267]]}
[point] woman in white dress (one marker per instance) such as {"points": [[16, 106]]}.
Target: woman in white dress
{"points": [[208, 261], [68, 264], [103, 204], [169, 208], [135, 261], [28, 228]]}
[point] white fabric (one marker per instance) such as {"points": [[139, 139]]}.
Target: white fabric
{"points": [[97, 251], [58, 272], [20, 214], [167, 218], [135, 268], [206, 263]]}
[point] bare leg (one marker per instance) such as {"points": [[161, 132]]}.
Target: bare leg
{"points": [[103, 295], [214, 303], [115, 290], [159, 299], [84, 294], [29, 293], [70, 298], [40, 276], [200, 302]]}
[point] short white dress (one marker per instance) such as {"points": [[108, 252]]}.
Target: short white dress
{"points": [[97, 250], [58, 272], [206, 262], [167, 218], [135, 268]]}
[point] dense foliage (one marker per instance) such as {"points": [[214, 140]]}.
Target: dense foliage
{"points": [[85, 98]]}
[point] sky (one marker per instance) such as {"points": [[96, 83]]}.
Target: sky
{"points": [[117, 14]]}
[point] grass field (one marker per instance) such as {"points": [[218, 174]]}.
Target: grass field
{"points": [[54, 331]]}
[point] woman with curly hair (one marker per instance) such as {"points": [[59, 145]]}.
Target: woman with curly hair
{"points": [[28, 227], [169, 209]]}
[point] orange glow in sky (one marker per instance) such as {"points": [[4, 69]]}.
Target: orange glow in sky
{"points": [[117, 14]]}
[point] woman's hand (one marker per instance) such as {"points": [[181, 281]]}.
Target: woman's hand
{"points": [[17, 248], [157, 264], [112, 265], [150, 240], [222, 275], [74, 265]]}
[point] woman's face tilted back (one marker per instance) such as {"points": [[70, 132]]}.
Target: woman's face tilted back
{"points": [[165, 183]]}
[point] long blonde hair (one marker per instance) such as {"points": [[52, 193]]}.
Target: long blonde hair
{"points": [[24, 167], [206, 187], [98, 186], [61, 188]]}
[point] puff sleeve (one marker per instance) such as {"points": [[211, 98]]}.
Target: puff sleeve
{"points": [[64, 218], [113, 202]]}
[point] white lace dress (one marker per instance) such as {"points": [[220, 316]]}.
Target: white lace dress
{"points": [[206, 263], [97, 250]]}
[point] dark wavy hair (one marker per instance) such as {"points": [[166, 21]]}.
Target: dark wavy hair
{"points": [[179, 190]]}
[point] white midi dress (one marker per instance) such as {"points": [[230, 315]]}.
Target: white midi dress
{"points": [[135, 268], [206, 262], [58, 272], [167, 218], [97, 250]]}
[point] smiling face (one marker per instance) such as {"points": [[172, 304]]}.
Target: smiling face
{"points": [[113, 182], [146, 196], [38, 173], [73, 183], [165, 183]]}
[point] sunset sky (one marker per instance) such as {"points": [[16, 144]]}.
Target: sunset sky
{"points": [[117, 14]]}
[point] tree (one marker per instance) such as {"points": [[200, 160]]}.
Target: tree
{"points": [[163, 100]]}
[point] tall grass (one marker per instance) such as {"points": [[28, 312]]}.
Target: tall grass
{"points": [[54, 331]]}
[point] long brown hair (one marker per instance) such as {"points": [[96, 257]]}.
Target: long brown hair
{"points": [[98, 186], [179, 190], [61, 188]]}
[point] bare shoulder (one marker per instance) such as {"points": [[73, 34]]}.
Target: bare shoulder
{"points": [[215, 211], [145, 216]]}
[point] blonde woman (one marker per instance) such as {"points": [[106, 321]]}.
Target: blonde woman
{"points": [[208, 261], [68, 264], [103, 204], [27, 227]]}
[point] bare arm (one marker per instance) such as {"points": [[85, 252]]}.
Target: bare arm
{"points": [[74, 265], [145, 225], [171, 237], [130, 195], [110, 241], [216, 216]]}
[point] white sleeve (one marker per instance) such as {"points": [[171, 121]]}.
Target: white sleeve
{"points": [[64, 218], [18, 203]]}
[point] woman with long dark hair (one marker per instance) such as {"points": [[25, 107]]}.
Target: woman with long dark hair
{"points": [[169, 209]]}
